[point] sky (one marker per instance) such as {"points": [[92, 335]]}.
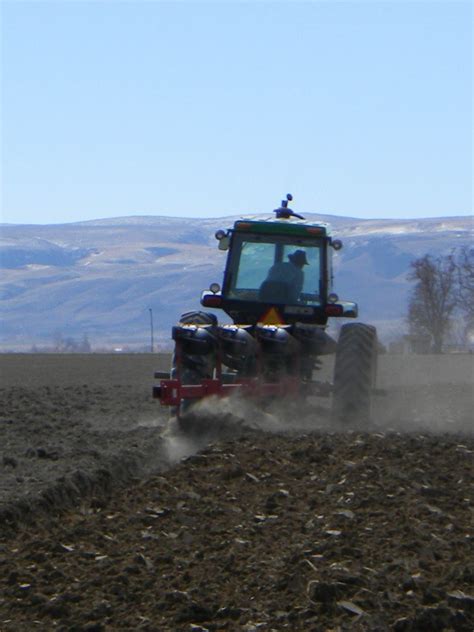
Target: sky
{"points": [[193, 109]]}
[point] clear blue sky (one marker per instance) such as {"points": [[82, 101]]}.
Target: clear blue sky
{"points": [[208, 109]]}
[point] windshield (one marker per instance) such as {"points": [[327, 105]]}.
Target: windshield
{"points": [[275, 269]]}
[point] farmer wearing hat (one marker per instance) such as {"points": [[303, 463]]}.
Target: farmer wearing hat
{"points": [[288, 275]]}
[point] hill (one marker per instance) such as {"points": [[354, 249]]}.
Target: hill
{"points": [[100, 278]]}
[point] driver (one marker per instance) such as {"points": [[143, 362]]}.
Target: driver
{"points": [[290, 273]]}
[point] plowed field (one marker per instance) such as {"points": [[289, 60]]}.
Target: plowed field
{"points": [[111, 520]]}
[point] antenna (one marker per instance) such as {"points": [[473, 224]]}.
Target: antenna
{"points": [[284, 212]]}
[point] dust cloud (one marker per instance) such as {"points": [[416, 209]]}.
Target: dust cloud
{"points": [[176, 444], [428, 394], [436, 408]]}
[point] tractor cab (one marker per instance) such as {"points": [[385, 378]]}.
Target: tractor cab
{"points": [[282, 264]]}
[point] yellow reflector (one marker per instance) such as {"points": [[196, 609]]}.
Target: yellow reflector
{"points": [[271, 317]]}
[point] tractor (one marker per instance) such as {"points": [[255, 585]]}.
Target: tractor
{"points": [[277, 292]]}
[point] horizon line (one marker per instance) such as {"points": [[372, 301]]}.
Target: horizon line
{"points": [[240, 215]]}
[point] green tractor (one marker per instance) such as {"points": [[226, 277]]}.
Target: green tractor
{"points": [[277, 291]]}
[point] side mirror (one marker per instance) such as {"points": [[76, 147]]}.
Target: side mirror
{"points": [[336, 244], [224, 243], [223, 239]]}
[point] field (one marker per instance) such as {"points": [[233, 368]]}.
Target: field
{"points": [[111, 520]]}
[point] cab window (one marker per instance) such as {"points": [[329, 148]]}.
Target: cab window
{"points": [[253, 256]]}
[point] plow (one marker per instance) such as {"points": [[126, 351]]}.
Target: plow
{"points": [[277, 291]]}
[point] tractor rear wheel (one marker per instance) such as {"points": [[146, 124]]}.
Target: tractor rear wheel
{"points": [[354, 373]]}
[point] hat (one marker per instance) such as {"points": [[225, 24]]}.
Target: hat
{"points": [[298, 257]]}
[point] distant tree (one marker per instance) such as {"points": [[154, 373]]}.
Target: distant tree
{"points": [[465, 282], [84, 346], [458, 335], [58, 341], [433, 298], [69, 345]]}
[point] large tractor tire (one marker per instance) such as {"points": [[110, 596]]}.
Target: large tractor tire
{"points": [[354, 373]]}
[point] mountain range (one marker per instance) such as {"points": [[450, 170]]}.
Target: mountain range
{"points": [[103, 279]]}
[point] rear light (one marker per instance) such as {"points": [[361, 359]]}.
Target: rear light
{"points": [[211, 300], [333, 310]]}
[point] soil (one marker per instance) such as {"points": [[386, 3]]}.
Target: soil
{"points": [[111, 519]]}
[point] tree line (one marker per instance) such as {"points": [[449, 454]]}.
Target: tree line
{"points": [[444, 288]]}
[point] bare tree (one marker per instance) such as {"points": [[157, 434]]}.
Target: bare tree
{"points": [[465, 282], [58, 340], [434, 297], [84, 346]]}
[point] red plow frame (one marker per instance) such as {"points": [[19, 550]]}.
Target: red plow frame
{"points": [[172, 391]]}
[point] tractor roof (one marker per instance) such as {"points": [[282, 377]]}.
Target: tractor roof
{"points": [[280, 226]]}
